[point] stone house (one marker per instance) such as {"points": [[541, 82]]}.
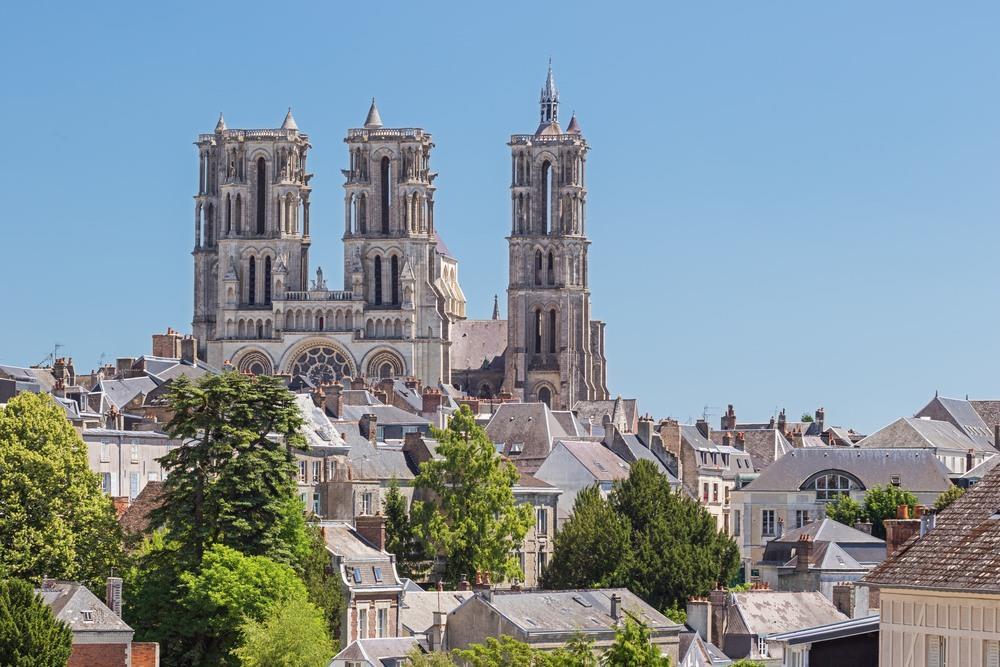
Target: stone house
{"points": [[573, 465], [539, 543], [126, 460]]}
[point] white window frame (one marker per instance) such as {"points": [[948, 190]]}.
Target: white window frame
{"points": [[542, 522], [362, 621], [762, 646], [764, 523], [381, 622]]}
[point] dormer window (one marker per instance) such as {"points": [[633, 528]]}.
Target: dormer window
{"points": [[88, 615], [829, 485]]}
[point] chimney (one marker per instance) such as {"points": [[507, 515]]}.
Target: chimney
{"points": [[369, 427], [167, 345], [996, 436], [970, 460], [670, 439], [463, 585], [728, 421], [820, 418], [113, 595], [333, 399], [123, 366], [381, 396], [590, 425], [928, 518], [718, 600], [189, 349], [703, 428], [431, 400], [741, 441], [120, 504], [803, 553], [727, 440], [900, 529], [435, 638], [372, 528], [645, 431], [864, 527], [616, 603], [782, 420], [699, 617]]}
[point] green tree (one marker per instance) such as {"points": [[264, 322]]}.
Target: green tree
{"points": [[417, 658], [677, 549], [322, 582], [292, 634], [747, 662], [503, 652], [881, 503], [633, 647], [30, 635], [948, 497], [593, 549], [233, 481], [846, 510], [400, 538], [471, 516], [806, 417], [54, 519]]}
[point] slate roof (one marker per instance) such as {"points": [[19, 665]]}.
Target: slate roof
{"points": [[417, 611], [597, 410], [828, 556], [919, 470], [961, 552], [43, 376], [764, 446], [318, 430], [120, 392], [915, 432], [377, 652], [603, 464], [693, 651], [821, 633], [962, 414], [769, 612], [828, 530], [629, 448], [980, 470], [861, 548], [532, 483], [362, 565], [69, 600], [387, 414], [569, 423], [475, 341], [377, 463], [531, 425]]}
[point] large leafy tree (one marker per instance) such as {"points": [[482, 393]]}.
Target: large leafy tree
{"points": [[233, 481], [30, 635], [401, 539], [54, 519], [594, 546], [633, 647], [322, 582], [882, 502], [948, 497], [845, 510], [470, 515], [665, 546], [292, 634]]}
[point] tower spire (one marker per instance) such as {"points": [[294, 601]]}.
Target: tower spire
{"points": [[221, 125], [374, 120], [496, 307], [289, 123], [549, 102]]}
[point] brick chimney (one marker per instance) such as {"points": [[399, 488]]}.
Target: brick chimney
{"points": [[699, 617], [782, 420], [741, 440], [820, 418], [728, 421], [900, 529], [803, 553], [368, 425], [333, 399], [167, 345], [189, 349], [703, 428], [372, 528], [463, 585], [113, 595], [970, 460], [431, 400], [864, 527]]}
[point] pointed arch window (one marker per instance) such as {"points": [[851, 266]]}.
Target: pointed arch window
{"points": [[210, 226], [552, 331], [229, 215], [538, 267], [261, 194], [538, 332], [394, 269], [547, 178], [267, 280], [545, 396], [252, 282], [378, 281], [551, 273], [362, 221], [239, 214], [384, 185]]}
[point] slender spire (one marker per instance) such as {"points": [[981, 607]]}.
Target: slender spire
{"points": [[574, 125], [374, 120], [221, 125], [496, 307], [289, 123], [549, 102]]}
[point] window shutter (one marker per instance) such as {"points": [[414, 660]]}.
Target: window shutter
{"points": [[933, 651], [992, 653]]}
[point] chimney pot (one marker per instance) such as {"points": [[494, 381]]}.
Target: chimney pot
{"points": [[616, 601]]}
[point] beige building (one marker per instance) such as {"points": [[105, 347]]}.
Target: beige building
{"points": [[539, 543], [940, 594]]}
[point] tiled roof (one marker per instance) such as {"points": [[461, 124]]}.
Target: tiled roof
{"points": [[417, 611], [81, 610], [374, 651], [989, 412], [474, 342], [764, 446], [961, 552], [915, 432], [600, 462], [768, 612], [136, 518]]}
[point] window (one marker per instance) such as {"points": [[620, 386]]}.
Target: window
{"points": [[538, 267], [252, 282], [378, 280], [737, 520], [538, 332], [830, 485], [88, 615], [394, 278], [382, 621], [801, 518], [315, 503], [151, 477], [384, 184], [937, 651], [762, 646], [105, 452], [552, 331], [728, 491], [704, 492], [106, 482], [545, 396], [520, 560], [715, 493], [267, 280], [546, 196], [543, 559], [362, 622], [134, 453], [133, 484], [356, 574], [542, 523], [377, 573], [366, 503], [261, 193], [317, 471], [302, 471], [767, 523], [991, 653]]}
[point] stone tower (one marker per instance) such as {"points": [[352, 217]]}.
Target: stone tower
{"points": [[251, 228], [555, 352]]}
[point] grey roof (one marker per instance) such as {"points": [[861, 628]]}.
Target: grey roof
{"points": [[69, 600], [980, 470], [770, 612], [962, 414], [318, 430], [828, 530], [120, 392], [362, 565], [829, 556], [530, 425], [411, 396], [387, 414], [631, 449], [570, 424], [43, 376], [373, 120], [369, 462], [602, 464], [916, 432], [417, 611], [919, 470], [475, 342], [289, 122], [571, 611], [837, 630], [693, 651], [377, 652], [764, 446], [596, 410]]}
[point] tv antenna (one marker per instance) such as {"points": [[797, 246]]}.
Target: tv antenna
{"points": [[51, 356]]}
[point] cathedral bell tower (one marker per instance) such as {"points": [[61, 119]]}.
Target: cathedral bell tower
{"points": [[555, 351]]}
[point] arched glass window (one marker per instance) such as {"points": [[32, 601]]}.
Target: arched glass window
{"points": [[545, 396], [362, 221], [267, 280], [261, 194], [378, 281], [552, 269], [546, 196], [210, 226], [229, 215], [239, 214], [538, 267], [552, 331], [385, 370], [831, 484], [538, 332], [386, 198], [252, 282], [394, 268]]}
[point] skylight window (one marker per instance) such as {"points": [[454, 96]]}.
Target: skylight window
{"points": [[377, 571], [357, 575], [583, 602], [88, 615]]}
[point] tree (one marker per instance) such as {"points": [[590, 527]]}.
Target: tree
{"points": [[806, 417], [471, 516], [30, 634], [593, 549], [633, 647], [322, 582], [846, 510], [503, 652], [948, 497], [292, 634], [55, 521], [233, 481], [747, 662], [400, 537], [881, 503]]}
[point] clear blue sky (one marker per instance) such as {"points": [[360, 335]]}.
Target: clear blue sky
{"points": [[791, 204]]}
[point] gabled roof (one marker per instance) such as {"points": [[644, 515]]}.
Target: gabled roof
{"points": [[528, 426], [829, 556], [821, 633], [369, 462], [120, 392], [919, 470], [962, 414], [961, 552], [596, 410], [73, 604], [602, 464], [136, 520], [988, 411], [770, 612], [386, 414], [916, 432], [416, 614], [765, 446], [828, 530], [376, 651], [693, 651]]}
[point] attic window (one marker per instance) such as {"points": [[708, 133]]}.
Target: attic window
{"points": [[357, 575], [580, 600], [88, 615], [377, 571], [600, 466], [894, 479], [516, 447]]}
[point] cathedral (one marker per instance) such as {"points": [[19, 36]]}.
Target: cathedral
{"points": [[401, 312]]}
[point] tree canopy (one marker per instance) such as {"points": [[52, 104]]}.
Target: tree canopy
{"points": [[55, 521], [470, 515], [30, 635], [401, 539], [633, 647], [292, 634], [880, 503], [948, 497], [666, 547]]}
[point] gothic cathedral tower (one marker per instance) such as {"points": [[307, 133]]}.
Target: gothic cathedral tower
{"points": [[555, 352]]}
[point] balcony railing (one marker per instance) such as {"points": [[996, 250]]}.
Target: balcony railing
{"points": [[319, 295]]}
